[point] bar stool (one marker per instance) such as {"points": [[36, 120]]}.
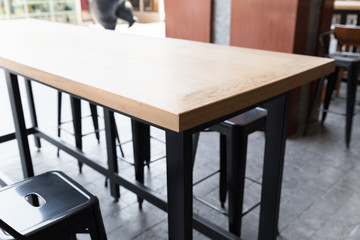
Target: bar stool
{"points": [[49, 206], [233, 149], [347, 36], [76, 120], [94, 116]]}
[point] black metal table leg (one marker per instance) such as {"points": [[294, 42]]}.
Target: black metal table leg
{"points": [[276, 125], [179, 184], [236, 147], [110, 132], [76, 114], [141, 147], [19, 122], [350, 100], [32, 108]]}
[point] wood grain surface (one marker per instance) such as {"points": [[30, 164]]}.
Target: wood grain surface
{"points": [[347, 5], [177, 84]]}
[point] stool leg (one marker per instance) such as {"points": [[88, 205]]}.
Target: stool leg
{"points": [[111, 150], [195, 145], [223, 174], [350, 100], [141, 142], [59, 118], [76, 114], [329, 90], [94, 116], [96, 225], [236, 158], [32, 109], [147, 147], [118, 140], [314, 103]]}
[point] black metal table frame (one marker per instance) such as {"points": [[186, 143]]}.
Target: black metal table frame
{"points": [[179, 206]]}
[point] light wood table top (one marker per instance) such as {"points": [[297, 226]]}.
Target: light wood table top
{"points": [[347, 5], [176, 84]]}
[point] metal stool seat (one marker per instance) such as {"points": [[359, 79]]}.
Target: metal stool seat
{"points": [[49, 206], [233, 148]]}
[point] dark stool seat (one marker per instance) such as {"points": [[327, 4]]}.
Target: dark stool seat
{"points": [[49, 206], [233, 148]]}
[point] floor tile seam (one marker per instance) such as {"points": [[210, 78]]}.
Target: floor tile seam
{"points": [[159, 223], [297, 216], [333, 214]]}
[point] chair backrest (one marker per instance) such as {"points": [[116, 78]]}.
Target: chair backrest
{"points": [[348, 37], [325, 41]]}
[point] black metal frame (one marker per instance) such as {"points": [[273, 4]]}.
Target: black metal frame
{"points": [[181, 219]]}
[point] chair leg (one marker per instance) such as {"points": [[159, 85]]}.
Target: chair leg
{"points": [[118, 140], [59, 118], [318, 90], [141, 140], [96, 226], [339, 78], [111, 151], [147, 146], [350, 101], [329, 90], [195, 145], [32, 110], [94, 116], [223, 174], [76, 114], [236, 162]]}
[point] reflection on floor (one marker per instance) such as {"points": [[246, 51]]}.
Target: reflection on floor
{"points": [[321, 182]]}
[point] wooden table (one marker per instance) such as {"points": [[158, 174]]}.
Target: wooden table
{"points": [[177, 85], [343, 8]]}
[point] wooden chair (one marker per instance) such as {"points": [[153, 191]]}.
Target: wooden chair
{"points": [[49, 206], [348, 37]]}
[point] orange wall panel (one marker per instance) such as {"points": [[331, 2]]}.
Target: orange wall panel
{"points": [[264, 24], [188, 19]]}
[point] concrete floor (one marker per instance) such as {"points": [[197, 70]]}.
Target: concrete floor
{"points": [[321, 181]]}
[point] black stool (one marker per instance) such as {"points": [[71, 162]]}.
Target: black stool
{"points": [[49, 206], [76, 120], [233, 148], [350, 61]]}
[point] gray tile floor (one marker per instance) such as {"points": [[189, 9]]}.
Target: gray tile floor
{"points": [[321, 181]]}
